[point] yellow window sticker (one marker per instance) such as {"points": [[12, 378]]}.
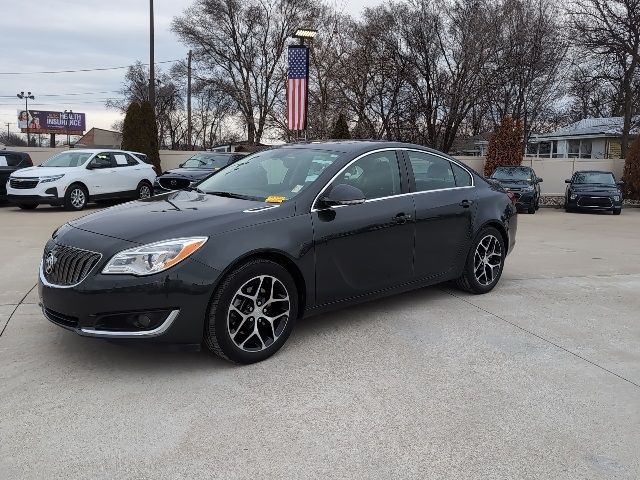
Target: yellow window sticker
{"points": [[275, 199]]}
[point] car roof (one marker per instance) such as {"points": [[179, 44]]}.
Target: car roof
{"points": [[94, 150], [357, 146], [514, 166], [593, 171], [12, 152]]}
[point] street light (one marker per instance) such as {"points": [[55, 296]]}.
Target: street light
{"points": [[303, 33], [66, 116], [26, 98]]}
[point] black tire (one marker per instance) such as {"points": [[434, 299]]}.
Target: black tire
{"points": [[76, 197], [27, 206], [617, 211], [567, 208], [538, 204], [217, 335], [532, 209], [468, 280], [144, 190]]}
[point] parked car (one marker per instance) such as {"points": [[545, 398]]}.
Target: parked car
{"points": [[75, 177], [235, 262], [593, 190], [196, 168], [523, 183], [9, 163]]}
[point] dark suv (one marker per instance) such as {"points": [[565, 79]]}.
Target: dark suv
{"points": [[593, 190], [9, 163], [196, 168], [523, 183]]}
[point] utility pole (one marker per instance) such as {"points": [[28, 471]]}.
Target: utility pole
{"points": [[189, 147], [152, 72], [8, 125]]}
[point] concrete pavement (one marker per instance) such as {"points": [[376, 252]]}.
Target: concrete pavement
{"points": [[538, 379]]}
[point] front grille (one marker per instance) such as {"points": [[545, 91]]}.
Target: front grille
{"points": [[66, 266], [61, 319], [595, 202], [174, 183], [23, 183]]}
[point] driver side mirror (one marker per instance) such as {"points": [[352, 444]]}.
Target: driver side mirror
{"points": [[540, 180], [620, 182], [567, 181], [342, 194]]}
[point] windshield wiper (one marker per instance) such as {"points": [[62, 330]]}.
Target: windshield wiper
{"points": [[232, 195]]}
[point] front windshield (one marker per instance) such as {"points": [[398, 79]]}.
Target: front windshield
{"points": [[600, 178], [274, 175], [67, 159], [207, 161], [515, 173]]}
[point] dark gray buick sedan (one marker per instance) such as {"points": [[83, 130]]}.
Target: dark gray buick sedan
{"points": [[234, 261]]}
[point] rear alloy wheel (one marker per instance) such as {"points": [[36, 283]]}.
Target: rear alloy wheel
{"points": [[252, 312], [484, 263], [76, 197], [27, 206], [144, 190]]}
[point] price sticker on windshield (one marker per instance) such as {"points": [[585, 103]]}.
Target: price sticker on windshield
{"points": [[275, 199]]}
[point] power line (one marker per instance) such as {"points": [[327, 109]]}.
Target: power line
{"points": [[65, 94], [81, 69]]}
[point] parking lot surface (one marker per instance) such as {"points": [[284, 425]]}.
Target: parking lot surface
{"points": [[538, 379]]}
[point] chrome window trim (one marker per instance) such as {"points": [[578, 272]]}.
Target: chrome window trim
{"points": [[395, 149], [156, 332]]}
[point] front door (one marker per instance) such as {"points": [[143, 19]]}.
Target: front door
{"points": [[367, 247]]}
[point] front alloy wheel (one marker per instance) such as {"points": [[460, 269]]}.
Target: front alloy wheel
{"points": [[252, 312], [144, 190], [76, 198]]}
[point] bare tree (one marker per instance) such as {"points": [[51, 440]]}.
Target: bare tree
{"points": [[240, 44], [610, 29]]}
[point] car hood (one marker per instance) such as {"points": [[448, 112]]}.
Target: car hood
{"points": [[179, 214], [190, 173], [595, 189], [43, 171]]}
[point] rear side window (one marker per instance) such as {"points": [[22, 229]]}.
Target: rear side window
{"points": [[431, 172], [463, 179]]}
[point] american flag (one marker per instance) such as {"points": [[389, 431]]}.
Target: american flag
{"points": [[297, 87]]}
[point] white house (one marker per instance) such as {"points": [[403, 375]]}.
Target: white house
{"points": [[588, 138]]}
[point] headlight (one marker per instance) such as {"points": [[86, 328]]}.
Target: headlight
{"points": [[528, 188], [153, 257], [52, 178], [573, 196], [616, 198]]}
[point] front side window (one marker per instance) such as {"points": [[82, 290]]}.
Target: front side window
{"points": [[431, 172], [377, 175], [67, 159], [103, 160], [273, 175]]}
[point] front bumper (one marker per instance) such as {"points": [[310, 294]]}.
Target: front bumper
{"points": [[97, 305], [594, 202], [48, 193]]}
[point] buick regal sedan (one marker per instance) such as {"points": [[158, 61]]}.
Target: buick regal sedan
{"points": [[278, 235]]}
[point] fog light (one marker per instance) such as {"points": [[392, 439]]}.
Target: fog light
{"points": [[573, 196], [616, 198], [143, 321]]}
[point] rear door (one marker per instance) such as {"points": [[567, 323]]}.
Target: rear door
{"points": [[445, 203], [128, 170]]}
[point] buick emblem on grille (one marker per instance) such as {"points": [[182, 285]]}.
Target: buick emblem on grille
{"points": [[173, 183], [49, 263]]}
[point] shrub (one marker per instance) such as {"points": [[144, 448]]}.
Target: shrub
{"points": [[505, 146], [140, 132], [631, 174], [341, 129]]}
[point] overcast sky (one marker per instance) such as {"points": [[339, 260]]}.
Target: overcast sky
{"points": [[65, 35]]}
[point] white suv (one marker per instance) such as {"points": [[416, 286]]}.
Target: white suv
{"points": [[74, 177]]}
